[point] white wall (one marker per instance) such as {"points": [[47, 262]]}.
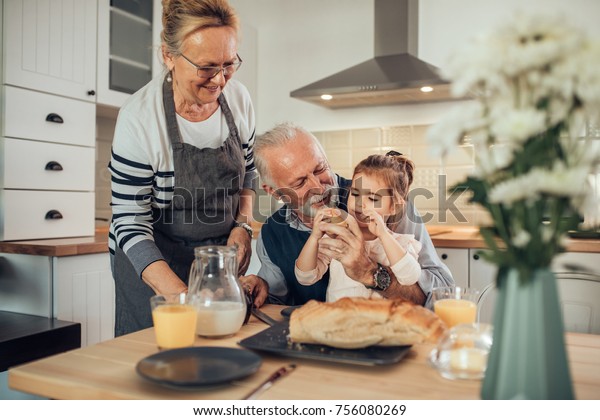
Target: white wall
{"points": [[300, 42]]}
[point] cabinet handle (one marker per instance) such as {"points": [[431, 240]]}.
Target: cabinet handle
{"points": [[53, 166], [476, 256], [55, 118], [91, 92], [444, 256], [53, 215]]}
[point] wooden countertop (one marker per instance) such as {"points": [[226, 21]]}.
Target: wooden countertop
{"points": [[107, 371], [468, 237], [442, 237], [61, 247]]}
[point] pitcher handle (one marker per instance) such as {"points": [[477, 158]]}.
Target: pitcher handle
{"points": [[193, 280]]}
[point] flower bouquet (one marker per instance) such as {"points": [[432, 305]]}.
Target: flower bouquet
{"points": [[535, 83]]}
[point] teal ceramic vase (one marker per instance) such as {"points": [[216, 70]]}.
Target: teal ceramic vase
{"points": [[528, 359]]}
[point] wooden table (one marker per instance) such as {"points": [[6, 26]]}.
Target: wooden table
{"points": [[107, 371]]}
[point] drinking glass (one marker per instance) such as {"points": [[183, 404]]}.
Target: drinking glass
{"points": [[174, 318], [462, 352], [455, 305]]}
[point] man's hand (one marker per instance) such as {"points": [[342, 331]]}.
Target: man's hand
{"points": [[348, 248], [240, 238], [257, 287]]}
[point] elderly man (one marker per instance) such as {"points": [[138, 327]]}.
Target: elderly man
{"points": [[293, 168]]}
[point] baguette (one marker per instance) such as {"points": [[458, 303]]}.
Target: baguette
{"points": [[359, 322]]}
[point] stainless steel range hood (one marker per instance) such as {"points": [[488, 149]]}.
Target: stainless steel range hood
{"points": [[394, 76]]}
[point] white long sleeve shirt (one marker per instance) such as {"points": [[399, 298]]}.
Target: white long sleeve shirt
{"points": [[407, 270]]}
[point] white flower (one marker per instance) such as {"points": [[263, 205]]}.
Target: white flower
{"points": [[535, 82], [558, 181], [546, 233], [521, 239], [450, 130], [491, 159], [511, 191], [517, 125], [535, 42], [588, 77]]}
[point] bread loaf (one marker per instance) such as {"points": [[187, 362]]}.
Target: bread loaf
{"points": [[359, 322]]}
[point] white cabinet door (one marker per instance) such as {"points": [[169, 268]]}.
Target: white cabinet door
{"points": [[40, 116], [457, 261], [29, 214], [126, 49], [84, 292], [50, 46], [578, 282], [35, 165]]}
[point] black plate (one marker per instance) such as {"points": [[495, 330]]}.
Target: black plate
{"points": [[275, 340], [198, 366], [286, 312]]}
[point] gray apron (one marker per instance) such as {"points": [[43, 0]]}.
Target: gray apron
{"points": [[205, 202]]}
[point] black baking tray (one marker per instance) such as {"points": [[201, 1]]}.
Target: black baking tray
{"points": [[275, 340]]}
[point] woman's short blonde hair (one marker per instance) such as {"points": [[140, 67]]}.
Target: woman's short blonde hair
{"points": [[182, 17]]}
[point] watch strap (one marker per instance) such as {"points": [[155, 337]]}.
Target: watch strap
{"points": [[246, 227]]}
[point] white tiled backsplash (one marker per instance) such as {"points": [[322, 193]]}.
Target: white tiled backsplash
{"points": [[432, 177], [345, 148]]}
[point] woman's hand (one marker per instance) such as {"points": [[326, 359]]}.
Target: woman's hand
{"points": [[240, 238]]}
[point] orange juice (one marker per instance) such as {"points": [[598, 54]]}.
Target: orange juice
{"points": [[174, 325], [456, 311]]}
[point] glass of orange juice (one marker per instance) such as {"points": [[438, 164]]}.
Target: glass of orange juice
{"points": [[174, 319], [455, 305]]}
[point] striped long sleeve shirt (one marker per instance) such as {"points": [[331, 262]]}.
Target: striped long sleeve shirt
{"points": [[142, 169]]}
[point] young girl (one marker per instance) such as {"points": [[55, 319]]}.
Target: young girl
{"points": [[377, 196]]}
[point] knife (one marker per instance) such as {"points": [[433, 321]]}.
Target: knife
{"points": [[263, 316], [270, 381]]}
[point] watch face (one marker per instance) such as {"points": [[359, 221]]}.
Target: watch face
{"points": [[382, 278]]}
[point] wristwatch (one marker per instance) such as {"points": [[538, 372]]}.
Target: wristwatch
{"points": [[382, 279], [246, 227]]}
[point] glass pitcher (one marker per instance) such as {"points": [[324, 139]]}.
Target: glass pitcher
{"points": [[216, 291]]}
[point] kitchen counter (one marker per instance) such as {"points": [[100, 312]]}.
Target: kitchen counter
{"points": [[468, 237], [442, 237], [59, 247]]}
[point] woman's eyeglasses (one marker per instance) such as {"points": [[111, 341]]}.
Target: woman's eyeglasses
{"points": [[208, 72]]}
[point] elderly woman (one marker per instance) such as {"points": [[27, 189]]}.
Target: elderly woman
{"points": [[182, 166]]}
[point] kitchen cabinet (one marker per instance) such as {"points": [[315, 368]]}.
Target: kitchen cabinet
{"points": [[126, 32], [84, 292], [457, 261], [77, 288], [50, 46], [47, 119], [47, 157]]}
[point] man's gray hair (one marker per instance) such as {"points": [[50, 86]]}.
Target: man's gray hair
{"points": [[279, 136]]}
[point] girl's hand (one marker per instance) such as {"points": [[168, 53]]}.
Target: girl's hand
{"points": [[376, 223], [322, 214]]}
